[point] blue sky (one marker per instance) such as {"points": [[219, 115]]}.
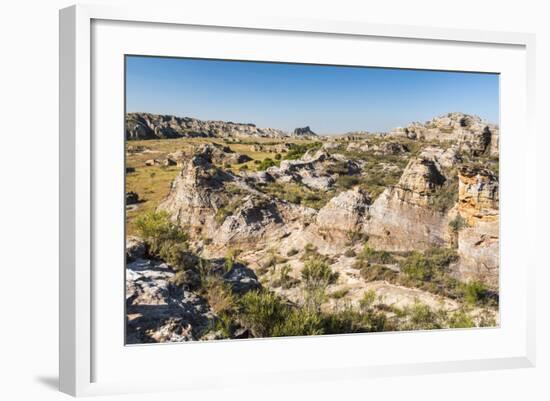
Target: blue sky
{"points": [[327, 98]]}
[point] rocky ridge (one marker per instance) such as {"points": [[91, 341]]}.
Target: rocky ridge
{"points": [[155, 126]]}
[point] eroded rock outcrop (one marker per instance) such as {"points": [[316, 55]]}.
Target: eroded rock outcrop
{"points": [[478, 240], [345, 213], [401, 218], [315, 170], [197, 192], [470, 133]]}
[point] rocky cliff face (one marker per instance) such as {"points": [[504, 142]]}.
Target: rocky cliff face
{"points": [[469, 133], [154, 126], [401, 218], [478, 240]]}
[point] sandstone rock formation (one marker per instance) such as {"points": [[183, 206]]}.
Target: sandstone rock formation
{"points": [[470, 133], [346, 212], [197, 192], [401, 217], [478, 241]]}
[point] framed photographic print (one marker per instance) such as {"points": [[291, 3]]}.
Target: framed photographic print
{"points": [[288, 200]]}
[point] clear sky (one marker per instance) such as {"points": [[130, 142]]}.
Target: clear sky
{"points": [[327, 98]]}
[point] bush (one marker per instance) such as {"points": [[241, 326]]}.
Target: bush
{"points": [[278, 156], [475, 292], [349, 320], [446, 196], [266, 163], [230, 259], [424, 267], [218, 295], [299, 322], [416, 267], [261, 312], [378, 272], [284, 280], [165, 239], [421, 317], [296, 151], [156, 228], [457, 224], [460, 320], [373, 256], [317, 274], [339, 294]]}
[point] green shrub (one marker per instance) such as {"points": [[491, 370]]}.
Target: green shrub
{"points": [[421, 317], [475, 292], [296, 151], [165, 239], [457, 224], [218, 294], [373, 256], [299, 322], [284, 279], [261, 312], [278, 156], [156, 228], [447, 195], [377, 272], [317, 274], [349, 320], [266, 163], [339, 294], [417, 267], [425, 266], [460, 320], [367, 302]]}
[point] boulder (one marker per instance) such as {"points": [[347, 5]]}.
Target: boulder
{"points": [[169, 162], [132, 198], [135, 248]]}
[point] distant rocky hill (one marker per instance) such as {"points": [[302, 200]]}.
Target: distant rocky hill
{"points": [[156, 126], [468, 132]]}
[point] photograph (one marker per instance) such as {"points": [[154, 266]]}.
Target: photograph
{"points": [[270, 199]]}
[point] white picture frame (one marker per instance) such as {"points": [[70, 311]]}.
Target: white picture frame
{"points": [[84, 356]]}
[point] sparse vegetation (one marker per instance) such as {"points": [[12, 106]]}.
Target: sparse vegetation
{"points": [[307, 291]]}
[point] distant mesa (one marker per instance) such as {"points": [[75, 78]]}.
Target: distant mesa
{"points": [[304, 131]]}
